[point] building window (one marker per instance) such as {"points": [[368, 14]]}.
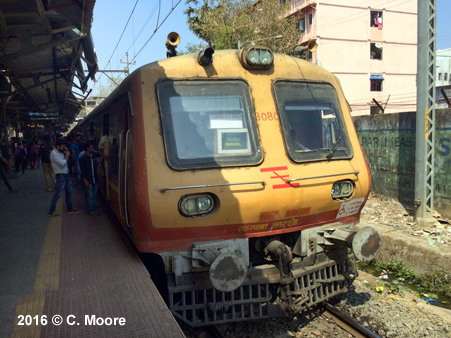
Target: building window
{"points": [[301, 25], [376, 19], [376, 51], [440, 76], [375, 110], [376, 85], [445, 76], [310, 19]]}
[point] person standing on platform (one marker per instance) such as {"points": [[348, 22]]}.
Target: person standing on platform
{"points": [[34, 154], [5, 150], [3, 164], [58, 158], [75, 150], [88, 170], [17, 159], [46, 165], [22, 153]]}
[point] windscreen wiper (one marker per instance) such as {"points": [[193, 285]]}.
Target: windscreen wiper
{"points": [[334, 147]]}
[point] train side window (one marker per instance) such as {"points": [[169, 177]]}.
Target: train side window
{"points": [[115, 122], [312, 121], [114, 130], [106, 124], [208, 124]]}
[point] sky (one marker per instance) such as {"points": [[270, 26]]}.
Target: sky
{"points": [[443, 24], [145, 43], [110, 19]]}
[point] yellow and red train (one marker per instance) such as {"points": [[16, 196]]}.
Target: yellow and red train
{"points": [[240, 171]]}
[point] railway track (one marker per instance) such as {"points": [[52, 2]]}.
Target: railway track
{"points": [[341, 319], [347, 323]]}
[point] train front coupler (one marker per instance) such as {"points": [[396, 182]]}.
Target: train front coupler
{"points": [[314, 243], [291, 297]]}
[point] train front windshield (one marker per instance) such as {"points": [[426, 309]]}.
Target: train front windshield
{"points": [[208, 124], [312, 121]]}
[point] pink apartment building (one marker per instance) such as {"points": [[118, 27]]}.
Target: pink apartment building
{"points": [[370, 45]]}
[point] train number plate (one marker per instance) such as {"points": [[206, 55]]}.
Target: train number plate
{"points": [[350, 207]]}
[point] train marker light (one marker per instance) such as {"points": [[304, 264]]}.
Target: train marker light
{"points": [[342, 189], [256, 57], [196, 205]]}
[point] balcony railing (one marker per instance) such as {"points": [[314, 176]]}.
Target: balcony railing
{"points": [[296, 5]]}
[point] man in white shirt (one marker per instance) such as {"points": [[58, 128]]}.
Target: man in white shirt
{"points": [[58, 159]]}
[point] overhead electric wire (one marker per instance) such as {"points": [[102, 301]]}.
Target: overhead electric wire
{"points": [[362, 13], [120, 38], [123, 31], [383, 97], [394, 100], [156, 29], [158, 25], [159, 11], [357, 15], [380, 95], [142, 29]]}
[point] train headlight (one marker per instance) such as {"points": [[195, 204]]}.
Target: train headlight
{"points": [[196, 205], [342, 190], [256, 57], [204, 203], [265, 57], [253, 56]]}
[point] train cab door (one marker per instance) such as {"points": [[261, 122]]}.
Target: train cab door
{"points": [[124, 168]]}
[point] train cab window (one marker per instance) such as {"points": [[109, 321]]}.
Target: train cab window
{"points": [[312, 121], [208, 124]]}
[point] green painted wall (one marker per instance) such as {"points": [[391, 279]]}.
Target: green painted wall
{"points": [[388, 142]]}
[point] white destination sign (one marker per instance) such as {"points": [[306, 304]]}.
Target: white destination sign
{"points": [[226, 121]]}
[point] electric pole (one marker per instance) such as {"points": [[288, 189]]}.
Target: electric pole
{"points": [[425, 117], [127, 68]]}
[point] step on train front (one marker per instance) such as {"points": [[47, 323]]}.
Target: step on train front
{"points": [[239, 175]]}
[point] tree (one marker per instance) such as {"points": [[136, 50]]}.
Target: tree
{"points": [[196, 16], [192, 48], [103, 90], [228, 23]]}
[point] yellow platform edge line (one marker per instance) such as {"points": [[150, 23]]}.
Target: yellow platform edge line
{"points": [[47, 279]]}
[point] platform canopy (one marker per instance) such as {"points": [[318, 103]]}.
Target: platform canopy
{"points": [[45, 48]]}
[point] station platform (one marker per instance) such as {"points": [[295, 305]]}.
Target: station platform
{"points": [[72, 275]]}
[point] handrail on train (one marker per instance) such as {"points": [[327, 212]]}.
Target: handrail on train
{"points": [[211, 185], [315, 177]]}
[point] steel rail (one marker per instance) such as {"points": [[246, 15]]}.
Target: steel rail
{"points": [[348, 324]]}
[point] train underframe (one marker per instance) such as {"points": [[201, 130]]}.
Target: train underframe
{"points": [[265, 293], [238, 280]]}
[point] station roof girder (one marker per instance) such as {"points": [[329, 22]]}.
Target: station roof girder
{"points": [[45, 47]]}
